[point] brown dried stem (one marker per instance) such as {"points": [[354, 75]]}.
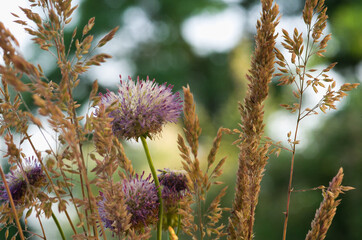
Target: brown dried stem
{"points": [[291, 178], [41, 227], [68, 85], [12, 203], [50, 180]]}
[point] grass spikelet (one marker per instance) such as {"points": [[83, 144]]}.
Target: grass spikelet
{"points": [[200, 181], [191, 121], [327, 209]]}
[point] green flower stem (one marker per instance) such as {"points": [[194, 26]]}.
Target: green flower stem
{"points": [[178, 222], [58, 226], [157, 183]]}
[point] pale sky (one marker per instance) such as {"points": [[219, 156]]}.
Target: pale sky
{"points": [[8, 7]]}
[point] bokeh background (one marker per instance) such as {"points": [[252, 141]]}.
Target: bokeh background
{"points": [[208, 45]]}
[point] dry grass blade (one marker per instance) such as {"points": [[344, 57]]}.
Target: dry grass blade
{"points": [[15, 213]]}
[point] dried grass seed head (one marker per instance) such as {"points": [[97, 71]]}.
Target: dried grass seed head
{"points": [[113, 212]]}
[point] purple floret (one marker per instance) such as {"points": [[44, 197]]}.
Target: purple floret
{"points": [[174, 185], [17, 182], [103, 214], [141, 201], [142, 108]]}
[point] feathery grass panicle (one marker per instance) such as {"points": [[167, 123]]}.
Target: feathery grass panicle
{"points": [[113, 211], [55, 101], [100, 125], [253, 155], [324, 215], [296, 71], [191, 120], [200, 181]]}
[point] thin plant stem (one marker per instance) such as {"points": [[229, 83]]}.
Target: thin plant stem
{"points": [[178, 222], [81, 162], [301, 78], [33, 234], [199, 213], [61, 171], [288, 198], [157, 183], [42, 228], [58, 226], [50, 180], [292, 168], [20, 230]]}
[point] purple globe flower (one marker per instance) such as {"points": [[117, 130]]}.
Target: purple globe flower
{"points": [[113, 213], [140, 198], [174, 185], [18, 184], [103, 213], [142, 108]]}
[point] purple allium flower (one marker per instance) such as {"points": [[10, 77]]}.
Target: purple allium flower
{"points": [[18, 184], [141, 200], [103, 212], [174, 185], [142, 108]]}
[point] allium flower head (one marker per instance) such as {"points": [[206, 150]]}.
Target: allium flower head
{"points": [[18, 180], [173, 182], [142, 108], [141, 201], [174, 185], [113, 212]]}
